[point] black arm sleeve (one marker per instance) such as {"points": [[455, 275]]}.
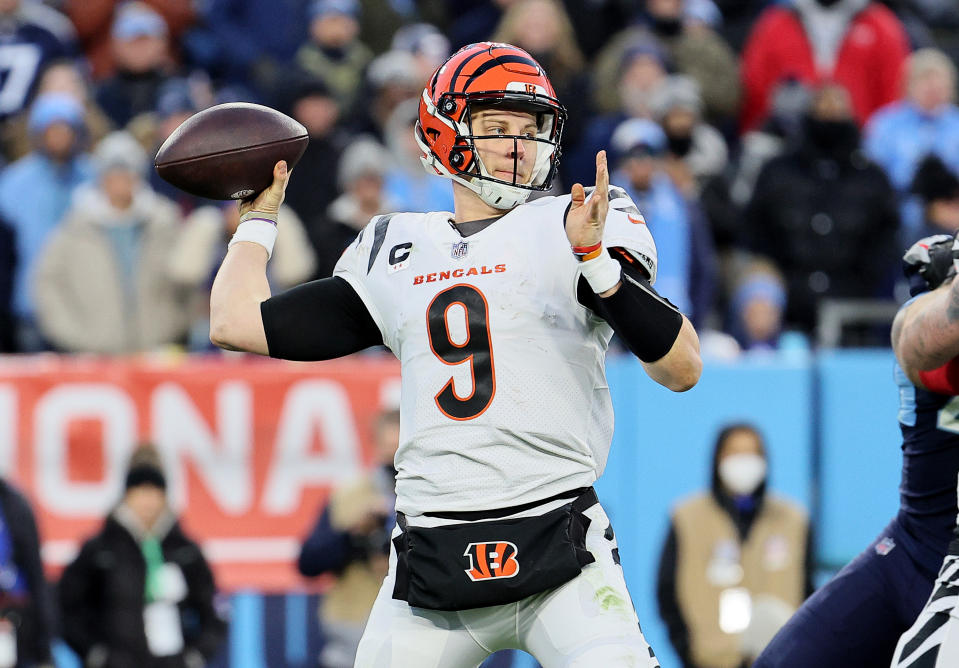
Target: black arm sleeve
{"points": [[647, 323], [669, 608], [318, 320]]}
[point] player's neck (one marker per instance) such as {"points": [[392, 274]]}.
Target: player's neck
{"points": [[468, 206]]}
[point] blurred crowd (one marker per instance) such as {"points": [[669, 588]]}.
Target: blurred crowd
{"points": [[783, 153]]}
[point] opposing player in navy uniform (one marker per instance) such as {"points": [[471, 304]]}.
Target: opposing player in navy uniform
{"points": [[500, 313], [856, 618], [929, 353]]}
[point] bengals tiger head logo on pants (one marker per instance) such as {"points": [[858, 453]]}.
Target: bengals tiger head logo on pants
{"points": [[491, 560]]}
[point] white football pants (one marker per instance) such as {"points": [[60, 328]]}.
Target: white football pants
{"points": [[933, 639], [585, 623]]}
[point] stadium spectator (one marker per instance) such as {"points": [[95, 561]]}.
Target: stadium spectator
{"points": [[737, 559], [697, 151], [60, 76], [334, 52], [141, 49], [406, 183], [757, 304], [31, 36], [8, 267], [351, 540], [102, 283], [46, 178], [474, 22], [814, 41], [926, 121], [687, 263], [642, 69], [26, 608], [693, 49], [825, 214], [426, 44], [738, 17], [94, 23], [782, 130], [360, 178], [140, 592], [543, 28], [938, 190], [390, 79], [247, 42], [201, 245], [311, 103]]}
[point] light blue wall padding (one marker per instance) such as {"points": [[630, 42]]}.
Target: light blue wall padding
{"points": [[861, 453], [662, 447], [246, 631], [661, 451], [64, 657], [297, 617]]}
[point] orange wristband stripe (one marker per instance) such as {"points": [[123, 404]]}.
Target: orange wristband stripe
{"points": [[591, 255], [586, 250]]}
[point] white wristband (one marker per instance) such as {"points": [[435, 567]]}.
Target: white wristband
{"points": [[602, 272], [258, 230]]}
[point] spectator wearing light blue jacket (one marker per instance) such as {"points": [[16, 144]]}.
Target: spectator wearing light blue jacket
{"points": [[687, 266], [926, 121], [35, 192]]}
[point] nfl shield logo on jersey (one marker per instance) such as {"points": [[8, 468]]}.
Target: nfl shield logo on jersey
{"points": [[459, 250], [885, 546]]}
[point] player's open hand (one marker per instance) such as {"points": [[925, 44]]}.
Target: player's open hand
{"points": [[587, 218], [269, 200]]}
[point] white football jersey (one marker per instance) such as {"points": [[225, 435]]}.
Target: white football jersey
{"points": [[504, 397]]}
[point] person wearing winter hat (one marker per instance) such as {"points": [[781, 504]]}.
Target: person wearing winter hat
{"points": [[103, 282], [938, 189], [736, 562], [140, 592], [46, 178]]}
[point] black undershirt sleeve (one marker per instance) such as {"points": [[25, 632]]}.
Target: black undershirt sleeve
{"points": [[647, 323], [318, 320]]}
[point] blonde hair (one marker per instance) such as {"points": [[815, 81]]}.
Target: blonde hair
{"points": [[567, 58], [923, 61]]}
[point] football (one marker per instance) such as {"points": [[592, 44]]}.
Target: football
{"points": [[228, 151]]}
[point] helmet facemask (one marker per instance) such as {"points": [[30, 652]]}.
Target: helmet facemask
{"points": [[458, 111]]}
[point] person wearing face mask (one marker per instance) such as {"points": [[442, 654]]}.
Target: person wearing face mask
{"points": [[736, 561], [825, 214]]}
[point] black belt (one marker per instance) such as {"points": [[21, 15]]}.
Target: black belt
{"points": [[585, 497]]}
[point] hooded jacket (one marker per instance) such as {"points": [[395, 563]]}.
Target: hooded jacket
{"points": [[102, 597], [84, 301]]}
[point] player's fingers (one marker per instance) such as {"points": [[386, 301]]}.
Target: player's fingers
{"points": [[578, 194], [602, 174]]}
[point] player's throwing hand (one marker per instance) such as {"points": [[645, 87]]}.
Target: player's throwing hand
{"points": [[587, 218], [269, 200]]}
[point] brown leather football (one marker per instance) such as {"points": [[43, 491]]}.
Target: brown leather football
{"points": [[228, 151]]}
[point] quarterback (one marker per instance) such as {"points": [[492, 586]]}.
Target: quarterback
{"points": [[500, 313]]}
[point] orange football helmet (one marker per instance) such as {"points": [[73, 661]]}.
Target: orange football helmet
{"points": [[488, 74]]}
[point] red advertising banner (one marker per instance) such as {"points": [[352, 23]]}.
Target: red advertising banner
{"points": [[251, 447]]}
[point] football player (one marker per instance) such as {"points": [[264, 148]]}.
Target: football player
{"points": [[500, 313], [856, 618], [929, 339]]}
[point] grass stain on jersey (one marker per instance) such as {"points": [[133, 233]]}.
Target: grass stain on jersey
{"points": [[609, 600]]}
